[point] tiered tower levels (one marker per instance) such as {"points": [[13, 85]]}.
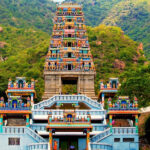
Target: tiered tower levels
{"points": [[69, 57]]}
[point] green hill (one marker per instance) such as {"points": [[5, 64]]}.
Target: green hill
{"points": [[27, 13], [133, 16], [22, 53], [115, 55]]}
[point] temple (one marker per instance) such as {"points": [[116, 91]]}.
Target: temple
{"points": [[108, 90], [69, 60], [66, 120]]}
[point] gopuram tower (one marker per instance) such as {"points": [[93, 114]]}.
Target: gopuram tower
{"points": [[69, 60]]}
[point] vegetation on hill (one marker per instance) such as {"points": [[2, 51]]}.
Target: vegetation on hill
{"points": [[115, 55], [23, 55], [27, 13], [133, 16]]}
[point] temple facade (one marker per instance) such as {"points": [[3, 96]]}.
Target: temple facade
{"points": [[63, 120], [69, 59]]}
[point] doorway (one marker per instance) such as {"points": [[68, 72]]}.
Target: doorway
{"points": [[69, 67], [69, 85]]}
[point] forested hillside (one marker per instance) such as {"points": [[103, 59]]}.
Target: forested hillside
{"points": [[115, 54], [22, 53], [27, 13], [133, 16], [25, 32]]}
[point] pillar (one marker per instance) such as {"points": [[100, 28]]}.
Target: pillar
{"points": [[32, 99], [136, 123], [27, 120], [60, 86], [1, 123], [103, 99], [50, 139], [78, 88], [87, 138], [110, 122]]}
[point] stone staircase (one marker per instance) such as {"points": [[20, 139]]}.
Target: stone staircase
{"points": [[16, 122], [95, 140], [67, 98]]}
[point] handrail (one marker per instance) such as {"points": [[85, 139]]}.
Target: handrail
{"points": [[39, 127], [22, 130], [101, 135], [89, 146], [42, 127], [60, 112], [101, 146], [80, 98], [124, 130]]}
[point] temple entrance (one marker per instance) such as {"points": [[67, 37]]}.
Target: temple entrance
{"points": [[68, 143], [69, 44], [114, 84], [14, 104], [69, 67], [69, 85], [20, 83], [123, 121]]}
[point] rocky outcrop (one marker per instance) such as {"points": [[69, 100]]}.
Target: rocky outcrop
{"points": [[98, 43], [1, 29], [2, 44], [119, 64]]}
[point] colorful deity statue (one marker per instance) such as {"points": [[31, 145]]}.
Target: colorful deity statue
{"points": [[2, 102]]}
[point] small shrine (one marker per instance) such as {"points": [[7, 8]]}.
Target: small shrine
{"points": [[20, 101], [70, 122], [22, 88], [108, 90], [123, 112]]}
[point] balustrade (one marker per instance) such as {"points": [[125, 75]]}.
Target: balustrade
{"points": [[124, 130], [101, 135], [40, 146], [78, 112], [87, 100], [101, 146], [22, 130]]}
